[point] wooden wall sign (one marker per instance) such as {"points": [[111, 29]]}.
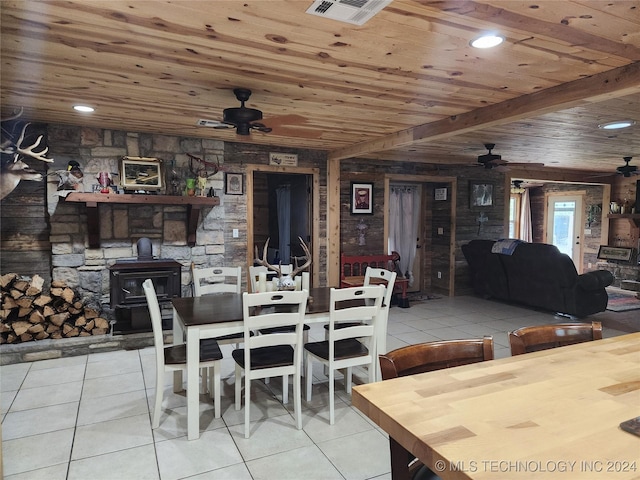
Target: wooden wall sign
{"points": [[283, 159]]}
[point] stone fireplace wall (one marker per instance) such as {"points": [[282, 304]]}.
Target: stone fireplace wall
{"points": [[121, 225]]}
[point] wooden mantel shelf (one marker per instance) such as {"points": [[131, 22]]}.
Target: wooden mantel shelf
{"points": [[91, 200], [634, 218]]}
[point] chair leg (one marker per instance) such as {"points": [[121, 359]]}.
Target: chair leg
{"points": [[285, 389], [214, 388], [203, 384], [247, 402], [297, 402], [331, 394], [308, 379], [157, 404], [347, 379], [238, 387]]}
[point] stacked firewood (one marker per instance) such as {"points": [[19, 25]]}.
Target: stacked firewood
{"points": [[29, 312]]}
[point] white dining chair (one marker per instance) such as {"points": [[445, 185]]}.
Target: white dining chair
{"points": [[271, 354], [214, 280], [374, 276], [349, 346], [174, 357]]}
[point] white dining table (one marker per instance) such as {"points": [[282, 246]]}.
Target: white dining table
{"points": [[211, 316]]}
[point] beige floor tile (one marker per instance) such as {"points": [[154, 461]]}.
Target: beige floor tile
{"points": [[137, 463], [270, 436], [59, 362], [54, 376], [12, 376], [53, 448], [307, 463], [181, 458], [112, 407], [29, 398], [234, 472], [316, 423], [56, 472], [102, 387], [346, 453], [39, 420], [113, 366], [111, 436]]}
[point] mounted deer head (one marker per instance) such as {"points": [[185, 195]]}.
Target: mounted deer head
{"points": [[285, 282], [13, 169]]}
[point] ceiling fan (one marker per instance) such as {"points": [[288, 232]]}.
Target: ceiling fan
{"points": [[245, 119], [627, 170], [242, 118], [492, 160]]}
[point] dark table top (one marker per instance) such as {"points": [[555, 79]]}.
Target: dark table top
{"points": [[227, 307]]}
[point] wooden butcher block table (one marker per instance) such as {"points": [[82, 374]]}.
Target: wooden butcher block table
{"points": [[553, 414]]}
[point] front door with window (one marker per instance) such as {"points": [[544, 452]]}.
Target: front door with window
{"points": [[564, 225]]}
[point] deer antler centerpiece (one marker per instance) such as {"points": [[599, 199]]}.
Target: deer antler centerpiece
{"points": [[13, 169], [285, 282]]}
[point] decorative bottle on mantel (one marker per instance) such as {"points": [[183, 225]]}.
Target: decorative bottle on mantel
{"points": [[190, 190]]}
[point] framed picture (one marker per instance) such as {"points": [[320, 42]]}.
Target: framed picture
{"points": [[480, 194], [141, 173], [233, 183], [622, 254], [440, 193], [362, 198]]}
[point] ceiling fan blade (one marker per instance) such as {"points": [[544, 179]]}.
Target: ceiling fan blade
{"points": [[260, 127], [290, 119], [525, 164]]}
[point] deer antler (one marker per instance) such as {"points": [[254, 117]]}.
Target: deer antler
{"points": [[28, 151], [308, 256], [264, 262]]}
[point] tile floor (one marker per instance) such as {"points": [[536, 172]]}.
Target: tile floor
{"points": [[88, 417]]}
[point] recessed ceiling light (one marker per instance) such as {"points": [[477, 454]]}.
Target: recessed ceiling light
{"points": [[83, 108], [616, 125], [487, 41]]}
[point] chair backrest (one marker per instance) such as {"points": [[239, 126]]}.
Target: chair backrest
{"points": [[255, 270], [543, 337], [345, 305], [156, 318], [374, 275], [271, 310], [216, 280], [430, 356]]}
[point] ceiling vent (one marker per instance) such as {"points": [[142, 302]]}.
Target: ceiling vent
{"points": [[350, 11]]}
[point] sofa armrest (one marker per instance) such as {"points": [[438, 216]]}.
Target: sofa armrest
{"points": [[595, 280]]}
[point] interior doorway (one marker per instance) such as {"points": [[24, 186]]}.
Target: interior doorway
{"points": [[282, 206], [564, 225], [406, 230]]}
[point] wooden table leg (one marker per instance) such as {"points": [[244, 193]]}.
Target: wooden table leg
{"points": [[399, 461]]}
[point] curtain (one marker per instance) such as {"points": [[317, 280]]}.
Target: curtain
{"points": [[404, 208], [526, 230], [283, 198]]}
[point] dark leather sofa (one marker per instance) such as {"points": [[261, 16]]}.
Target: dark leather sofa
{"points": [[538, 275]]}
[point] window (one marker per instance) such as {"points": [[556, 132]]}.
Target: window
{"points": [[514, 215]]}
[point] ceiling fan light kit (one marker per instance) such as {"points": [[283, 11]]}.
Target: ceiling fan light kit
{"points": [[627, 170]]}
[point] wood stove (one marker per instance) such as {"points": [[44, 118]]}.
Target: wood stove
{"points": [[127, 296]]}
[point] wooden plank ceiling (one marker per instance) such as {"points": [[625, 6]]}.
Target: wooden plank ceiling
{"points": [[405, 85]]}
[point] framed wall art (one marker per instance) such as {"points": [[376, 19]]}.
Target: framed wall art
{"points": [[481, 194], [233, 184], [622, 254], [362, 198], [141, 173]]}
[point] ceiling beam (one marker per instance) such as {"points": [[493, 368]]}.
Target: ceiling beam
{"points": [[614, 83]]}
